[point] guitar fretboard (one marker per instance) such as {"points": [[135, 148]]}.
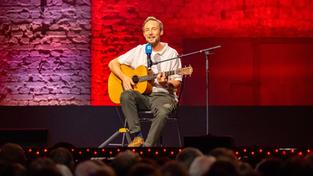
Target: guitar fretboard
{"points": [[153, 76]]}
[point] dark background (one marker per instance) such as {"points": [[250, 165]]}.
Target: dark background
{"points": [[85, 126]]}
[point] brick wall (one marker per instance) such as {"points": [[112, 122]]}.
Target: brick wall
{"points": [[45, 52], [117, 26], [45, 44]]}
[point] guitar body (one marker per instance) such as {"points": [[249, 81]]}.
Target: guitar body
{"points": [[115, 87]]}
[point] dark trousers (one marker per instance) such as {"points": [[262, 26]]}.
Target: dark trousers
{"points": [[161, 104]]}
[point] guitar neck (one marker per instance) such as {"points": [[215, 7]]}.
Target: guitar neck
{"points": [[153, 76]]}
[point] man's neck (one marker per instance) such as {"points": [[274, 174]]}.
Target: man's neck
{"points": [[158, 47]]}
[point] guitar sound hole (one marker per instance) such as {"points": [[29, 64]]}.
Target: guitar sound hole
{"points": [[135, 79]]}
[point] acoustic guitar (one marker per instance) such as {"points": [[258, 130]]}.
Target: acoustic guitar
{"points": [[142, 78]]}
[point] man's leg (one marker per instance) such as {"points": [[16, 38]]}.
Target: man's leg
{"points": [[131, 101], [162, 105]]}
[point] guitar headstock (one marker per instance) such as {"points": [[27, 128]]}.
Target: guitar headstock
{"points": [[187, 70]]}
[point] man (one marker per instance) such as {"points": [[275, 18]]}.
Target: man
{"points": [[162, 101]]}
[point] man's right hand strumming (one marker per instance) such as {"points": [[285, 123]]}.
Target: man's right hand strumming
{"points": [[127, 82]]}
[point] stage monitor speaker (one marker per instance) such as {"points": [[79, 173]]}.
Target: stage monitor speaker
{"points": [[208, 142], [24, 137]]}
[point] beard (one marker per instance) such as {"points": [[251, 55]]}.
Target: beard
{"points": [[154, 41]]}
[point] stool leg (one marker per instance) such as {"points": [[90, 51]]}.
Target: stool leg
{"points": [[105, 143], [179, 134], [126, 135]]}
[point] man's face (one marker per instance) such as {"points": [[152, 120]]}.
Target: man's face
{"points": [[152, 33]]}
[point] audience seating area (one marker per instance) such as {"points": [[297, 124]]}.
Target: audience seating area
{"points": [[67, 160]]}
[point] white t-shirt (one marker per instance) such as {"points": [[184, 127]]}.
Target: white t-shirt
{"points": [[137, 57]]}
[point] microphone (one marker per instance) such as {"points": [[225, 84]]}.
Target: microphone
{"points": [[148, 51]]}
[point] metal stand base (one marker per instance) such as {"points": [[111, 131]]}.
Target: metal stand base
{"points": [[123, 131]]}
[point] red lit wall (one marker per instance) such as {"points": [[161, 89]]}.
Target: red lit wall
{"points": [[252, 71], [262, 74]]}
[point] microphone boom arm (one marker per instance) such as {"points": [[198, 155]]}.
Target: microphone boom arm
{"points": [[206, 51]]}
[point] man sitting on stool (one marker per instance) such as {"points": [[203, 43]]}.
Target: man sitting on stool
{"points": [[163, 100]]}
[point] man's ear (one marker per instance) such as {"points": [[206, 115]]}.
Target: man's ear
{"points": [[161, 33]]}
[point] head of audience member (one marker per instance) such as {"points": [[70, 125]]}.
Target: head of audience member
{"points": [[104, 171], [162, 160], [12, 169], [187, 155], [269, 167], [13, 153], [296, 166], [174, 168], [245, 169], [66, 145], [149, 161], [201, 165], [93, 168], [143, 169], [309, 158], [222, 168], [43, 166], [64, 170], [62, 156], [222, 152], [124, 161]]}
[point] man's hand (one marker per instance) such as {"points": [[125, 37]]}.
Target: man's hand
{"points": [[115, 67], [127, 83], [162, 79]]}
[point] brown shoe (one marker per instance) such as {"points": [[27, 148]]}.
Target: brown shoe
{"points": [[137, 142]]}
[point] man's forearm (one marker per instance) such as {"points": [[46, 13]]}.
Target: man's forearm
{"points": [[115, 67]]}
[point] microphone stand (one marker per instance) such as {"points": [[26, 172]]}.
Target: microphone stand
{"points": [[206, 52]]}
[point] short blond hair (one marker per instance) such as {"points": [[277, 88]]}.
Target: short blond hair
{"points": [[152, 18]]}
